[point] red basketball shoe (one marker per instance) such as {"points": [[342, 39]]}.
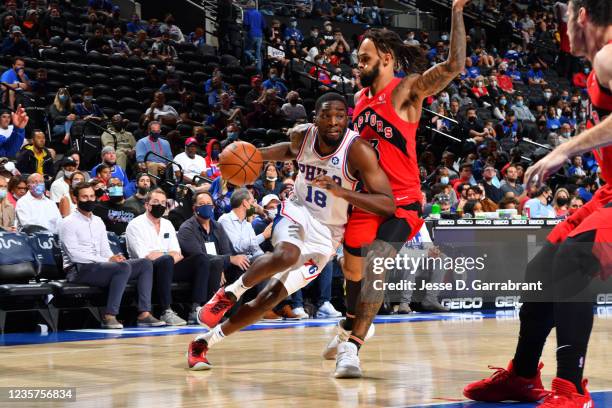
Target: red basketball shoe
{"points": [[211, 313], [565, 395], [196, 356], [505, 385]]}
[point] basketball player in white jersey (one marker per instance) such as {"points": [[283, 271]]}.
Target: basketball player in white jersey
{"points": [[309, 226]]}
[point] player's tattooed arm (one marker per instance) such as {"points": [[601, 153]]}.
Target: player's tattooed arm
{"points": [[287, 150], [440, 75], [363, 161]]}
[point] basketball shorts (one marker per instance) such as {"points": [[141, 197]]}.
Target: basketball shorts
{"points": [[363, 228], [317, 243], [593, 220]]}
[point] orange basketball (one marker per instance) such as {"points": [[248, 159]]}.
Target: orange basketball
{"points": [[240, 163]]}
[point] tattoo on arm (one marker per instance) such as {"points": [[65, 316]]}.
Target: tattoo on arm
{"points": [[440, 75]]}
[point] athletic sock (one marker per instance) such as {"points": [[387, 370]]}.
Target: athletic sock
{"points": [[212, 337], [536, 324], [356, 341], [352, 294], [237, 288]]}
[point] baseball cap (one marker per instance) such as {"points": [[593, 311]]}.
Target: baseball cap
{"points": [[108, 149], [190, 141], [442, 198], [268, 198], [68, 161], [15, 29]]}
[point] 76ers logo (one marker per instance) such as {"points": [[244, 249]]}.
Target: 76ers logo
{"points": [[312, 267]]}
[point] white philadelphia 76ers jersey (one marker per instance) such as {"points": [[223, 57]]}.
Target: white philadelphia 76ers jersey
{"points": [[324, 206]]}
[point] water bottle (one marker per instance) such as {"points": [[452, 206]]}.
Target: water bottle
{"points": [[435, 211]]}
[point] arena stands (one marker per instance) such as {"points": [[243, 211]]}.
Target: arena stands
{"points": [[129, 96]]}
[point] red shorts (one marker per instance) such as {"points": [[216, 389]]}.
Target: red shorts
{"points": [[363, 228], [596, 215]]}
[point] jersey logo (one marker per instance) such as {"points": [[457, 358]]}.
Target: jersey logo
{"points": [[335, 160], [382, 127], [311, 266]]}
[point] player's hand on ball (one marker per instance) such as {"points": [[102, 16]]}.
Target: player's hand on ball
{"points": [[327, 183], [240, 261]]}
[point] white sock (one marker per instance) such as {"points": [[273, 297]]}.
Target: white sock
{"points": [[212, 337], [237, 288]]}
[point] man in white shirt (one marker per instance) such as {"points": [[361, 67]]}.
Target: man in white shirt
{"points": [[152, 237], [88, 259], [34, 208], [191, 163], [239, 229], [61, 187]]}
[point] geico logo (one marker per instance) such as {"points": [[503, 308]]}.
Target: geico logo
{"points": [[463, 303], [604, 299], [508, 301]]}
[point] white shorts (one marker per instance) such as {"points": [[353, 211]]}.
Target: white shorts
{"points": [[316, 241]]}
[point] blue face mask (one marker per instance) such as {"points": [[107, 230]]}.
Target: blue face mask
{"points": [[519, 103], [63, 98], [3, 192], [205, 211], [115, 191], [232, 136], [39, 189], [503, 102], [88, 98], [444, 180]]}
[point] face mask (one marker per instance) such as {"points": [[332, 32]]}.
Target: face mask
{"points": [[158, 210], [271, 178], [68, 174], [547, 95], [170, 68], [444, 180], [542, 123], [562, 201], [472, 119], [115, 191], [86, 206], [314, 33], [88, 98], [155, 136], [3, 192], [214, 154], [250, 212], [272, 213], [566, 134], [587, 70], [293, 24], [205, 211], [38, 189], [100, 192], [565, 98], [503, 102], [273, 77], [142, 190], [479, 84], [445, 99], [549, 199], [444, 38], [519, 103], [63, 98], [232, 136]]}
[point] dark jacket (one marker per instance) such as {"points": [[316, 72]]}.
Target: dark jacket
{"points": [[191, 240], [26, 162]]}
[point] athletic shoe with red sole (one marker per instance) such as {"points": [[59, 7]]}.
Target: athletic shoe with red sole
{"points": [[565, 395], [505, 385], [196, 356], [212, 312]]}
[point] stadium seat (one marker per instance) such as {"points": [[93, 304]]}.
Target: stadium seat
{"points": [[19, 291]]}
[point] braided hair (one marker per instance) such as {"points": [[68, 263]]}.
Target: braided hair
{"points": [[408, 58]]}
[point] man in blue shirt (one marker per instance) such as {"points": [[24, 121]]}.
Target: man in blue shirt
{"points": [[535, 76], [136, 25], [254, 25], [540, 206], [275, 83], [109, 157], [153, 143], [9, 146], [14, 80], [15, 44], [292, 32]]}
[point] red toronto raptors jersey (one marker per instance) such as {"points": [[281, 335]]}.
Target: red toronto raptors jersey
{"points": [[394, 140], [601, 101]]}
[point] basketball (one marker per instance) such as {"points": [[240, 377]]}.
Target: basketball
{"points": [[240, 163]]}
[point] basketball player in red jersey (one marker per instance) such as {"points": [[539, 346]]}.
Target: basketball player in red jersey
{"points": [[387, 113], [577, 249]]}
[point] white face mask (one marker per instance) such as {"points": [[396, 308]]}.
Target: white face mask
{"points": [[272, 213]]}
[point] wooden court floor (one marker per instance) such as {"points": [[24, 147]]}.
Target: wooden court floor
{"points": [[405, 364]]}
